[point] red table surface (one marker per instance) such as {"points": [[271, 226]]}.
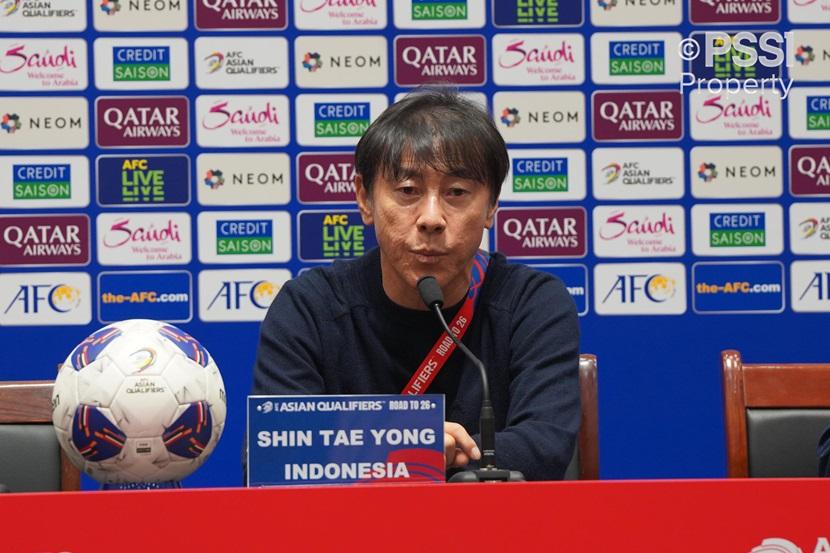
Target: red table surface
{"points": [[700, 516]]}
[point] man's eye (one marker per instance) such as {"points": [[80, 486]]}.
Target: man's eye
{"points": [[457, 192], [406, 190]]}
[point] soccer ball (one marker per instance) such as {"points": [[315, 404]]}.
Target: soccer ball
{"points": [[138, 401]]}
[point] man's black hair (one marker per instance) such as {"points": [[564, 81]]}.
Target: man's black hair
{"points": [[437, 128]]}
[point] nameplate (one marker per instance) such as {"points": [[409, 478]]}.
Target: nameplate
{"points": [[302, 440]]}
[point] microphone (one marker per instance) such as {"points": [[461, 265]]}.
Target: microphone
{"points": [[433, 298]]}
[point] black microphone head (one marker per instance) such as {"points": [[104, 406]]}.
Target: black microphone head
{"points": [[431, 293]]}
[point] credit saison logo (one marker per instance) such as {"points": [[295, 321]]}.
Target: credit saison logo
{"points": [[63, 240], [43, 63], [347, 119], [640, 57], [325, 177], [156, 121], [540, 175], [241, 14], [455, 59], [746, 230], [146, 180], [140, 63], [430, 10], [642, 115], [42, 181], [735, 11], [818, 113], [810, 170], [251, 237]]}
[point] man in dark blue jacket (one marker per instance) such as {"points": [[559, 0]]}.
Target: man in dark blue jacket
{"points": [[429, 173]]}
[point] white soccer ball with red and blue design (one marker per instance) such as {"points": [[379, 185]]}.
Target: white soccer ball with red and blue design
{"points": [[138, 401]]}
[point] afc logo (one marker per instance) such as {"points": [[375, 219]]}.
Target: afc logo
{"points": [[234, 295], [818, 287], [633, 288], [39, 298]]}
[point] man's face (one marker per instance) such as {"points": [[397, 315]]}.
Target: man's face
{"points": [[430, 223]]}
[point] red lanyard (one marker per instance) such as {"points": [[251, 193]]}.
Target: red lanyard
{"points": [[444, 346]]}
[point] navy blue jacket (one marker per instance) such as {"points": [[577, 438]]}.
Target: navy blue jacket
{"points": [[333, 330]]}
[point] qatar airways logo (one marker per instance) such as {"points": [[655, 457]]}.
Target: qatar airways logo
{"points": [[541, 232], [810, 170], [735, 11], [39, 64], [735, 116], [538, 59], [150, 122], [325, 177], [639, 231], [241, 14], [143, 238], [446, 59], [242, 120], [640, 115]]}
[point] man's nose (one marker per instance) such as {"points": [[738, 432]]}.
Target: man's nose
{"points": [[431, 217]]}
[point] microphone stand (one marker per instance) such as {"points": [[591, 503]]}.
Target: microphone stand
{"points": [[432, 296]]}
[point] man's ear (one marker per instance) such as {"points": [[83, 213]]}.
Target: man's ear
{"points": [[491, 214], [364, 200]]}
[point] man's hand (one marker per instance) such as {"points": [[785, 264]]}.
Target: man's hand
{"points": [[459, 447]]}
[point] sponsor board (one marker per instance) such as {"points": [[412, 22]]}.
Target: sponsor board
{"points": [[545, 175], [734, 63], [640, 115], [140, 15], [810, 228], [142, 121], [336, 119], [325, 177], [811, 57], [143, 181], [340, 61], [808, 11], [528, 232], [243, 179], [736, 172], [36, 240], [638, 173], [635, 58], [737, 287], [337, 15], [575, 279], [158, 295], [333, 234], [141, 63], [243, 295], [809, 286], [244, 236], [438, 14], [52, 16], [240, 15], [45, 299], [737, 229], [35, 64], [538, 13], [241, 62], [810, 170], [143, 238], [243, 121], [40, 123], [710, 12], [636, 13], [446, 59], [809, 112], [477, 97], [538, 59], [742, 115], [640, 289], [36, 182], [531, 117], [639, 231]]}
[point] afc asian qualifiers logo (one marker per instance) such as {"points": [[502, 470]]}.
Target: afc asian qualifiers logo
{"points": [[44, 15], [325, 177], [149, 122], [734, 11], [541, 232], [33, 241], [241, 14], [810, 170], [641, 115], [35, 64], [433, 59], [810, 228], [638, 173]]}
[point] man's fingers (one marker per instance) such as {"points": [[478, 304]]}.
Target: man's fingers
{"points": [[462, 439]]}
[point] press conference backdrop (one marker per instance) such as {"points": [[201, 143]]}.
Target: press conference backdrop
{"points": [[181, 160]]}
